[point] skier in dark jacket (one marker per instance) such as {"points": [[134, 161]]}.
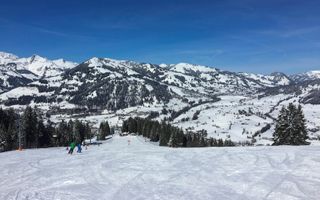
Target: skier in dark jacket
{"points": [[72, 146]]}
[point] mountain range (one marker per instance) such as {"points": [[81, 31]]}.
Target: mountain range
{"points": [[116, 89]]}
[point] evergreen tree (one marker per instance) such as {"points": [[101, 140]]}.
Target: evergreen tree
{"points": [[63, 134], [88, 131], [104, 130], [107, 128], [102, 134], [29, 128], [164, 135], [300, 134], [35, 122], [290, 127], [70, 132], [41, 133], [45, 133], [125, 127], [280, 134], [132, 125], [8, 130], [220, 143], [173, 140], [79, 131]]}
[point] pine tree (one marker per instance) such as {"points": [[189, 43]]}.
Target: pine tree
{"points": [[164, 136], [29, 128], [36, 127], [41, 132], [280, 133], [70, 134], [132, 125], [63, 134], [102, 133], [45, 133], [300, 134], [173, 140], [107, 128], [3, 138], [88, 131], [290, 127], [220, 143], [79, 131], [104, 130], [125, 127]]}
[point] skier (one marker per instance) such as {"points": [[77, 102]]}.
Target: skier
{"points": [[72, 146], [79, 147]]}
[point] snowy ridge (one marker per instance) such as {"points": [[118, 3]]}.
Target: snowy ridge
{"points": [[44, 67], [7, 57], [227, 105], [15, 71], [307, 76], [37, 64], [186, 67]]}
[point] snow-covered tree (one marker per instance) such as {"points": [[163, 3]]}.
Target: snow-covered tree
{"points": [[290, 127]]}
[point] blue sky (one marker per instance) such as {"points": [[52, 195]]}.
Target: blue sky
{"points": [[238, 35]]}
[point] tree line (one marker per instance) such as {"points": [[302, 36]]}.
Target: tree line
{"points": [[168, 135], [30, 130]]}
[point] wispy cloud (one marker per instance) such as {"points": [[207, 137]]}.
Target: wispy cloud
{"points": [[9, 23], [290, 32]]}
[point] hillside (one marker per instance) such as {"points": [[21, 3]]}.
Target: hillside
{"points": [[141, 170]]}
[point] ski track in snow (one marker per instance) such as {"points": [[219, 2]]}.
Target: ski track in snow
{"points": [[142, 170]]}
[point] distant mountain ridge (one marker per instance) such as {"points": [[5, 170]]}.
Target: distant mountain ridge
{"points": [[36, 64], [228, 105], [117, 84]]}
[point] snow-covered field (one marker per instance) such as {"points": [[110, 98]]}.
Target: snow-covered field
{"points": [[142, 170]]}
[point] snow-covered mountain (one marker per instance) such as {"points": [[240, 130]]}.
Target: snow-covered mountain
{"points": [[7, 57], [11, 74], [239, 106], [42, 67], [15, 71], [307, 76], [114, 84]]}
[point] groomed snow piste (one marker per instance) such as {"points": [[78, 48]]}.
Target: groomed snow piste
{"points": [[142, 170]]}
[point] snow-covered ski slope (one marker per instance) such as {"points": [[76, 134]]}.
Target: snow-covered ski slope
{"points": [[141, 170]]}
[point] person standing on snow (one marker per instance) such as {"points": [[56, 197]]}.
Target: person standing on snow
{"points": [[72, 146], [79, 147]]}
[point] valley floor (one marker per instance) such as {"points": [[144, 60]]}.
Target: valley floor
{"points": [[141, 170]]}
